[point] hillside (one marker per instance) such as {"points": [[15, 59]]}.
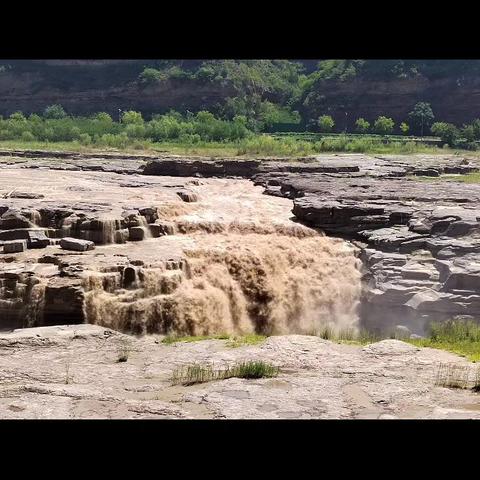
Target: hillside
{"points": [[345, 89]]}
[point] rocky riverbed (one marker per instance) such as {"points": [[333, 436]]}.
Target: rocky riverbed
{"points": [[196, 246], [418, 242]]}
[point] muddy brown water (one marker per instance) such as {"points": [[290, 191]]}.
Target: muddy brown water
{"points": [[236, 263]]}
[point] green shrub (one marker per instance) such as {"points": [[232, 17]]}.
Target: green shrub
{"points": [[152, 75], [132, 117], [362, 126], [448, 132], [404, 128], [325, 123], [28, 136], [54, 112], [383, 125], [85, 139]]}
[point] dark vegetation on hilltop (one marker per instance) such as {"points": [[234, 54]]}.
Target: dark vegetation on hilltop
{"points": [[230, 100]]}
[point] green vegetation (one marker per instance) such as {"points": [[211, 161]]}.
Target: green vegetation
{"points": [[456, 336], [226, 133], [460, 337], [362, 126], [261, 145], [448, 132], [244, 340], [326, 123], [404, 128], [348, 336], [421, 116], [234, 341], [196, 373], [383, 125], [467, 178], [267, 93], [169, 339], [101, 130]]}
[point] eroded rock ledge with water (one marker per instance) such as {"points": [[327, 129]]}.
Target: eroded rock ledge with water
{"points": [[196, 246]]}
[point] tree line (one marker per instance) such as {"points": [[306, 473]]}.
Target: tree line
{"points": [[421, 118], [55, 125]]}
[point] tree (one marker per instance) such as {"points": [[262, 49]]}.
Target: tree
{"points": [[325, 123], [468, 132], [54, 112], [404, 128], [448, 132], [18, 116], [362, 126], [476, 128], [103, 117], [132, 117], [152, 75], [383, 125], [421, 116]]}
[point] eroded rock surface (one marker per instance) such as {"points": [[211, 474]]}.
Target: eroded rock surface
{"points": [[420, 240], [233, 260], [73, 372]]}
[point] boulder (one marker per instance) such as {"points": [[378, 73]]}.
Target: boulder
{"points": [[187, 196], [37, 239], [162, 228], [14, 246], [12, 219], [69, 243], [137, 233]]}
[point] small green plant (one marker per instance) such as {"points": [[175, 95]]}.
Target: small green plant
{"points": [[347, 335], [233, 340], [243, 340], [252, 369], [197, 373], [169, 339]]}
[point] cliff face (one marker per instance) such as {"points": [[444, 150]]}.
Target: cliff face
{"points": [[88, 86], [85, 89], [455, 100]]}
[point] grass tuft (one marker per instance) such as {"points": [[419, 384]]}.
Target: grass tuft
{"points": [[243, 340], [348, 336], [234, 341], [196, 373], [169, 339]]}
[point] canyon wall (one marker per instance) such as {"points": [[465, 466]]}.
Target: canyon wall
{"points": [[87, 86]]}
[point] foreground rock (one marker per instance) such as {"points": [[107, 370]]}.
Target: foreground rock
{"points": [[74, 372], [76, 244]]}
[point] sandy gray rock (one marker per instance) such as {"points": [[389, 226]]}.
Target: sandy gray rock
{"points": [[73, 372]]}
